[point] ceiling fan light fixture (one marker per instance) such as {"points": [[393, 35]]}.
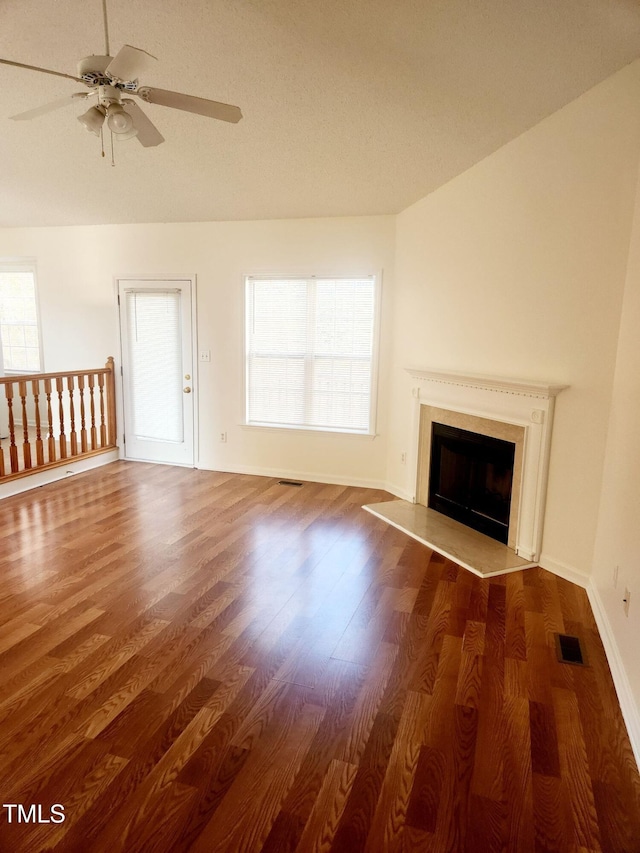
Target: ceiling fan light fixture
{"points": [[119, 122], [129, 134], [92, 120]]}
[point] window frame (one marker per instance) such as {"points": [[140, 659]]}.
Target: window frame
{"points": [[375, 347], [9, 265]]}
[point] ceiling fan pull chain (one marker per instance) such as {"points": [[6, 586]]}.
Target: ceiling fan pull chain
{"points": [[106, 27], [102, 141], [113, 162]]}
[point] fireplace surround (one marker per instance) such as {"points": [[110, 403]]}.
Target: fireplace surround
{"points": [[513, 433], [470, 478]]}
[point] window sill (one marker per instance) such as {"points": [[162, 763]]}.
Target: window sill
{"points": [[369, 436]]}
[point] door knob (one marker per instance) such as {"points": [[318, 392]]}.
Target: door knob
{"points": [[187, 390]]}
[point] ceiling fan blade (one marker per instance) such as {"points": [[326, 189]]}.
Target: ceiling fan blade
{"points": [[47, 108], [148, 134], [43, 70], [190, 104], [129, 62]]}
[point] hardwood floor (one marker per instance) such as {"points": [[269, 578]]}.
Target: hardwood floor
{"points": [[213, 662]]}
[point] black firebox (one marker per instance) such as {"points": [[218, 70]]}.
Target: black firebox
{"points": [[470, 479]]}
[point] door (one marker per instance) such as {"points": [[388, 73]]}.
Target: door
{"points": [[157, 370]]}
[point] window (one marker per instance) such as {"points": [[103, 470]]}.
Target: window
{"points": [[154, 355], [310, 348], [19, 334]]}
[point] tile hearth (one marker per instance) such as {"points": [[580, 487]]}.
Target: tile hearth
{"points": [[472, 550]]}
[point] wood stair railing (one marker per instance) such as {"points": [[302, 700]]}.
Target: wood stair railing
{"points": [[50, 419]]}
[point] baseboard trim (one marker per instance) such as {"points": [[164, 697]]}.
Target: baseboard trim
{"points": [[52, 475], [313, 477], [308, 476], [630, 711], [398, 493], [569, 573]]}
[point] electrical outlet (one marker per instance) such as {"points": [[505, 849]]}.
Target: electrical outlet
{"points": [[626, 601], [223, 436], [615, 576], [403, 458]]}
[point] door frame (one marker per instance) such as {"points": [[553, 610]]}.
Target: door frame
{"points": [[168, 277]]}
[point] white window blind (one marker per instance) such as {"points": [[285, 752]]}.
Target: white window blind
{"points": [[310, 352], [19, 319], [155, 359]]}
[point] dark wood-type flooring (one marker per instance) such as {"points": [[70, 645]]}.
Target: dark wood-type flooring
{"points": [[214, 662]]}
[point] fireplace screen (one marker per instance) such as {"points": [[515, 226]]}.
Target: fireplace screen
{"points": [[470, 479]]}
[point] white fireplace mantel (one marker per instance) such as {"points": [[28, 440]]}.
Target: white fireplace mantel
{"points": [[513, 401], [524, 387]]}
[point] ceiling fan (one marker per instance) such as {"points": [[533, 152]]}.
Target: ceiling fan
{"points": [[109, 80]]}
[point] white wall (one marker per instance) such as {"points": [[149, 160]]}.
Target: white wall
{"points": [[516, 268], [618, 532], [76, 269]]}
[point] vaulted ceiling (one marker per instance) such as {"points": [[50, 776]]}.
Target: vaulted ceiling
{"points": [[350, 106]]}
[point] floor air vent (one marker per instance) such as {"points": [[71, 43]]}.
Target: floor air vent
{"points": [[569, 650], [288, 483]]}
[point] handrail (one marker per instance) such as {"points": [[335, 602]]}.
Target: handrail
{"points": [[61, 374], [43, 405]]}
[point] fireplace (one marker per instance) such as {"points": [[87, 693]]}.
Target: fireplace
{"points": [[471, 478], [506, 464], [462, 435], [491, 440]]}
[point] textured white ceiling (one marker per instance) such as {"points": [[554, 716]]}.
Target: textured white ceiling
{"points": [[350, 106]]}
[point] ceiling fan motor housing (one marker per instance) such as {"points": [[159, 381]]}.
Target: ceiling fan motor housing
{"points": [[92, 70]]}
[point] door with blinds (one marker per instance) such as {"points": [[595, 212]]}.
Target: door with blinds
{"points": [[157, 370]]}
